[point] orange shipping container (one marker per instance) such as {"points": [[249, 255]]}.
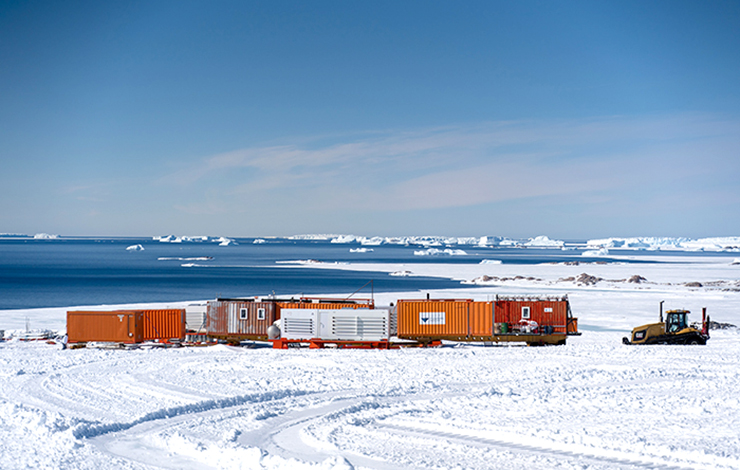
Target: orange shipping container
{"points": [[116, 327], [446, 319], [466, 320], [164, 324]]}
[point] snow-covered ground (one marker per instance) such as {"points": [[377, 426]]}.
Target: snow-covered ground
{"points": [[592, 404]]}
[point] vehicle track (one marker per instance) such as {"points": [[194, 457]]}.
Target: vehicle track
{"points": [[283, 434]]}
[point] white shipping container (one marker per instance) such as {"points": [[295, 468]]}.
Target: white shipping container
{"points": [[195, 317], [341, 325]]}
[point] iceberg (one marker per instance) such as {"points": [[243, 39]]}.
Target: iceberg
{"points": [[668, 244], [45, 236], [436, 251], [600, 252], [543, 241], [135, 248], [223, 241]]}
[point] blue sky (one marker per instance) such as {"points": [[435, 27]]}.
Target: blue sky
{"points": [[568, 119]]}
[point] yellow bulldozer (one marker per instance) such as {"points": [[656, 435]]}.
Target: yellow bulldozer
{"points": [[675, 329]]}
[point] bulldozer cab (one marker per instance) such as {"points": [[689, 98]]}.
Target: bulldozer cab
{"points": [[676, 321]]}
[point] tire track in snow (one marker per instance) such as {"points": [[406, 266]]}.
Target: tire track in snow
{"points": [[285, 437], [545, 448], [91, 430]]}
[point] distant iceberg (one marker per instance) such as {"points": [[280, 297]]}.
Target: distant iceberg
{"points": [[436, 252], [426, 241], [490, 261], [668, 244], [45, 236], [259, 241], [182, 239], [135, 248], [594, 253], [360, 250], [223, 241], [543, 241]]}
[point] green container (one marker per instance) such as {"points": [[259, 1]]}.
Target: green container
{"points": [[504, 328]]}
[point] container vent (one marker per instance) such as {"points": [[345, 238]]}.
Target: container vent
{"points": [[298, 327], [348, 327]]}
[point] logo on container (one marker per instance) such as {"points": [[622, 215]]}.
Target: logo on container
{"points": [[432, 318]]}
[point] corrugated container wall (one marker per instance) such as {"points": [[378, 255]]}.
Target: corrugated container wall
{"points": [[434, 318], [324, 305], [164, 324], [545, 312], [116, 327], [240, 320]]}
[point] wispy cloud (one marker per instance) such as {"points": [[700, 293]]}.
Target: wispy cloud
{"points": [[467, 165]]}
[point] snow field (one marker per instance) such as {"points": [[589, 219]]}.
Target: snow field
{"points": [[591, 404]]}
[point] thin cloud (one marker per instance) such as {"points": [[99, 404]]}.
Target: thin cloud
{"points": [[459, 166]]}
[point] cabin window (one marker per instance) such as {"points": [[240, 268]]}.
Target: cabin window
{"points": [[243, 314], [525, 313], [260, 314]]}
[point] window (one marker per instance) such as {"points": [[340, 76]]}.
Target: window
{"points": [[525, 313], [243, 314], [260, 314]]}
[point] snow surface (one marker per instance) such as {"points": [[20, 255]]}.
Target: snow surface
{"points": [[591, 404]]}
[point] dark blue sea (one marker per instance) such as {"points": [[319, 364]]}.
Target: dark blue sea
{"points": [[70, 272]]}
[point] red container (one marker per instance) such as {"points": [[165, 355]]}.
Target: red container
{"points": [[237, 320], [546, 311], [115, 327], [164, 324]]}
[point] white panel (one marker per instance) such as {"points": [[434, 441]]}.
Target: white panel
{"points": [[195, 317], [432, 318], [355, 325], [299, 323]]}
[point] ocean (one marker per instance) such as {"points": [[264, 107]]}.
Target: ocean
{"points": [[36, 273]]}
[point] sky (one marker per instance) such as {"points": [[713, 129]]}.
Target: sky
{"points": [[572, 119]]}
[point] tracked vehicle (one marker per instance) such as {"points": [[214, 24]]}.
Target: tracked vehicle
{"points": [[675, 329]]}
